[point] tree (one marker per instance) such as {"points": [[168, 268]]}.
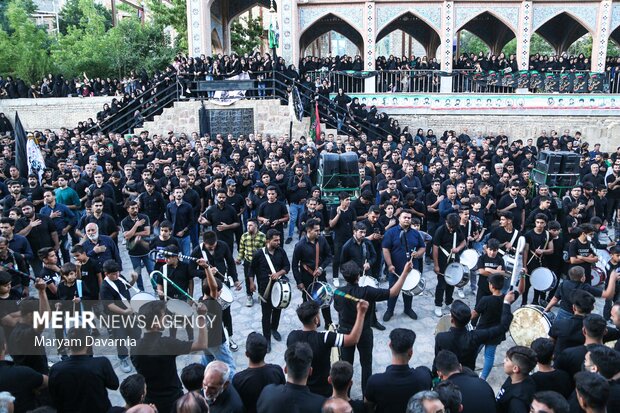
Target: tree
{"points": [[72, 14], [28, 5], [470, 43], [172, 15], [23, 46], [246, 35]]}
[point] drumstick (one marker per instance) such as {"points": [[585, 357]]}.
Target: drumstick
{"points": [[267, 290]]}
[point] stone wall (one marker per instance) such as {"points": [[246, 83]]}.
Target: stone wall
{"points": [[52, 113], [269, 117], [595, 129]]}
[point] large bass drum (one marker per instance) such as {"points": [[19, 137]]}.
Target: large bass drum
{"points": [[445, 322], [543, 279], [528, 323]]}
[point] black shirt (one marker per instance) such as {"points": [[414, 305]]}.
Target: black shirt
{"points": [[321, 343], [571, 360], [48, 276], [535, 240], [152, 205], [445, 239], [490, 310], [565, 292], [359, 252], [108, 293], [158, 244], [224, 215], [137, 250], [390, 391], [160, 372], [276, 398], [90, 280], [575, 248], [503, 237], [39, 236], [259, 266], [250, 382], [347, 309], [567, 333], [105, 222], [272, 211], [79, 384], [515, 398], [21, 382], [344, 227], [181, 275], [477, 395], [304, 255], [22, 347], [227, 402], [465, 343], [221, 258], [556, 380]]}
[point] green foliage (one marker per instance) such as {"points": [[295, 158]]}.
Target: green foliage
{"points": [[470, 43], [23, 46], [174, 15], [246, 35], [582, 45], [72, 14]]}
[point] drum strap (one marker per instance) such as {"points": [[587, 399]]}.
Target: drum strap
{"points": [[165, 281], [271, 267], [512, 241], [115, 288], [316, 259]]}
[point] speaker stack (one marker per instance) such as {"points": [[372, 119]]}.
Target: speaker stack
{"points": [[557, 169], [339, 170]]}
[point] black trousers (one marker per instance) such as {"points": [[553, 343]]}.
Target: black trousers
{"points": [[364, 347], [227, 320], [270, 318], [537, 294], [483, 287], [443, 288], [336, 260], [246, 272]]}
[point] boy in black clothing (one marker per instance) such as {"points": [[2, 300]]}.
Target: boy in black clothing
{"points": [[517, 392], [489, 263], [161, 242], [50, 271]]}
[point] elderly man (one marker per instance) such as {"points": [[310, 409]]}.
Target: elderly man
{"points": [[426, 401], [218, 391], [100, 247]]}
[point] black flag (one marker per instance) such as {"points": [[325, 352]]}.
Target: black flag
{"points": [[21, 159]]}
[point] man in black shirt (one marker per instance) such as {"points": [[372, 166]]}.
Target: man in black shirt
{"points": [[518, 390], [250, 382], [107, 224], [298, 190], [581, 252], [374, 233], [347, 313], [547, 378], [269, 264], [223, 219], [217, 254], [22, 382], [136, 228], [273, 213], [448, 242], [152, 204], [294, 395], [323, 342], [477, 395], [155, 356], [514, 203], [567, 332], [161, 242], [390, 391], [80, 382], [40, 232], [538, 243], [489, 263], [464, 343], [310, 257], [341, 222]]}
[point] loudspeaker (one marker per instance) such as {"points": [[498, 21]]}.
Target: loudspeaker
{"points": [[329, 166], [349, 170], [570, 164]]}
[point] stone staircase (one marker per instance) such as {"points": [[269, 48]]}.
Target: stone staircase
{"points": [[270, 117]]}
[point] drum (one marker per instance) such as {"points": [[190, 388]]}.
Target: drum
{"points": [[603, 259], [281, 294], [444, 324], [226, 297], [179, 307], [529, 322], [139, 299], [457, 274], [321, 293], [469, 258], [509, 263], [543, 279], [598, 276], [414, 283], [368, 281]]}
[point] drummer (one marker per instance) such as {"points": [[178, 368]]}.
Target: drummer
{"points": [[347, 312], [489, 264], [506, 234], [401, 244], [538, 243], [448, 242], [310, 257], [612, 265], [181, 275], [269, 264], [470, 228]]}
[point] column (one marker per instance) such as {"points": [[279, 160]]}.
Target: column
{"points": [[601, 36], [370, 35], [287, 11], [198, 27], [447, 35], [524, 34]]}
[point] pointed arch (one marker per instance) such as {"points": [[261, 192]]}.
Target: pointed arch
{"points": [[330, 22], [491, 28], [562, 30], [238, 8], [415, 26]]}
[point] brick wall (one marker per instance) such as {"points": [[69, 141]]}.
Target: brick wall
{"points": [[52, 113]]}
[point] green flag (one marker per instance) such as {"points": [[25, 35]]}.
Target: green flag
{"points": [[274, 32]]}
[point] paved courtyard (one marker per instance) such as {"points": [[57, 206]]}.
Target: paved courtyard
{"points": [[247, 319]]}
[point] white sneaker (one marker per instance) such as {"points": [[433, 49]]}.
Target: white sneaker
{"points": [[125, 366], [438, 311], [460, 292], [249, 302]]}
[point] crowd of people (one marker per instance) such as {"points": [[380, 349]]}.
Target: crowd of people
{"points": [[230, 202]]}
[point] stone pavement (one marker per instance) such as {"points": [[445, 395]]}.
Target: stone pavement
{"points": [[247, 319]]}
